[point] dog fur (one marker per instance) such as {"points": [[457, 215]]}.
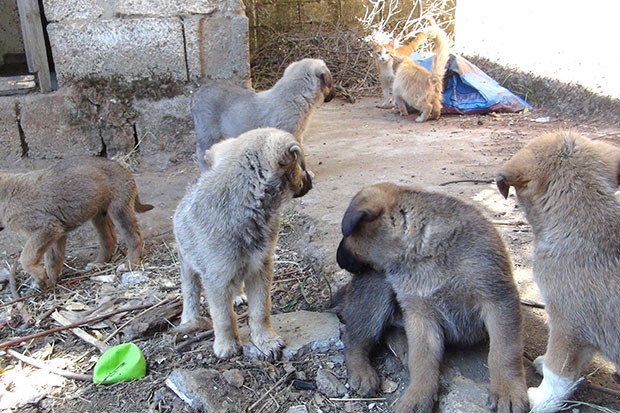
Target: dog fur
{"points": [[224, 110], [419, 88], [566, 185], [452, 278], [47, 204], [226, 228]]}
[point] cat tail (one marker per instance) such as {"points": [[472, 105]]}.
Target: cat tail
{"points": [[442, 53]]}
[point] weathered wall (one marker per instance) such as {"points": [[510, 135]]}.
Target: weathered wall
{"points": [[126, 70], [10, 34], [134, 40], [552, 38]]}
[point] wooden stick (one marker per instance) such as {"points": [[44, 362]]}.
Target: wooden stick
{"points": [[11, 343], [532, 303], [159, 304], [474, 181], [103, 347], [41, 365]]}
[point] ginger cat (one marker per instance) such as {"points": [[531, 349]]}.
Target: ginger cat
{"points": [[383, 54], [420, 88]]}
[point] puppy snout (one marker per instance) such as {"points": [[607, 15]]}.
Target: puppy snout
{"points": [[348, 261], [330, 94], [306, 184]]}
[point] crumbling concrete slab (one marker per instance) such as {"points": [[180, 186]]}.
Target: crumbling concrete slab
{"points": [[52, 128], [165, 126]]}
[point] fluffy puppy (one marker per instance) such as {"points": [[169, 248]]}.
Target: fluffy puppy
{"points": [[452, 278], [47, 204], [419, 88], [368, 309], [224, 110], [566, 184], [226, 228]]}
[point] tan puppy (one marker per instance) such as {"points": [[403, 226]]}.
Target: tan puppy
{"points": [[452, 278], [420, 88], [47, 204], [565, 184], [226, 229]]}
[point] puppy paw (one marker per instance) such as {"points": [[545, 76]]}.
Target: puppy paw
{"points": [[407, 405], [514, 402], [226, 348], [269, 347], [364, 380], [240, 300], [197, 324]]}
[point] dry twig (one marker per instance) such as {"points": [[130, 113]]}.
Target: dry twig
{"points": [[43, 366]]}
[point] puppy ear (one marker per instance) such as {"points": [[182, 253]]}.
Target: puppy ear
{"points": [[357, 213], [503, 185], [293, 153]]}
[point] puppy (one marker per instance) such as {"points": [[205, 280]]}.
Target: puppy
{"points": [[224, 110], [452, 278], [226, 228], [46, 205], [420, 88], [371, 315], [565, 184]]}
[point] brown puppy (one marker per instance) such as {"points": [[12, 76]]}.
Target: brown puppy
{"points": [[565, 184], [47, 204], [452, 278], [226, 229]]}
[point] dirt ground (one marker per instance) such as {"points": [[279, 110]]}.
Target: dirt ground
{"points": [[347, 146]]}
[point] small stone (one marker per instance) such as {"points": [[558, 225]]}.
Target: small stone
{"points": [[234, 377], [298, 409], [328, 384], [388, 386]]}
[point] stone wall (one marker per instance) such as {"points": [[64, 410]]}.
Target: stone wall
{"points": [[134, 40], [126, 72]]}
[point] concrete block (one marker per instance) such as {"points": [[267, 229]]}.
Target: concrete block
{"points": [[10, 143], [165, 126], [59, 10], [218, 48], [122, 49], [54, 127]]}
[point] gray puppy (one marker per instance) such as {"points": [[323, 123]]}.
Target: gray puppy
{"points": [[224, 110], [49, 203], [566, 185], [226, 228], [452, 279]]}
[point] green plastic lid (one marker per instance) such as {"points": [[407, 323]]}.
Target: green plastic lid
{"points": [[124, 362]]}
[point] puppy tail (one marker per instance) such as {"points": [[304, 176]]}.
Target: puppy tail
{"points": [[139, 207]]}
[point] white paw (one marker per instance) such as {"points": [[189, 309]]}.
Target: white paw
{"points": [[240, 300], [270, 347], [551, 394], [538, 364], [226, 348]]}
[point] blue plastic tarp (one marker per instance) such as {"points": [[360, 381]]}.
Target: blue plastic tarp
{"points": [[468, 90]]}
